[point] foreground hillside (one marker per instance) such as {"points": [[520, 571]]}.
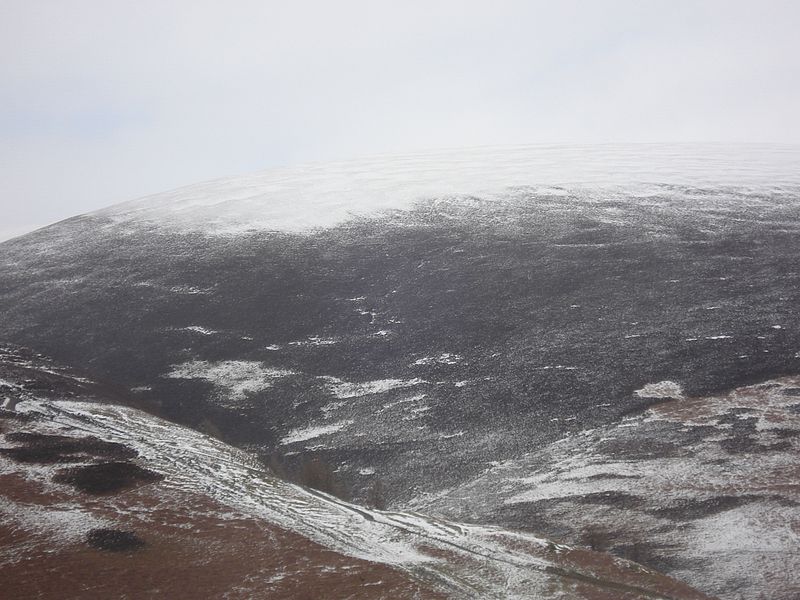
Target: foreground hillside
{"points": [[706, 489], [100, 500]]}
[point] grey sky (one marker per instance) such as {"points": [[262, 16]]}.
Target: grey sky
{"points": [[102, 101]]}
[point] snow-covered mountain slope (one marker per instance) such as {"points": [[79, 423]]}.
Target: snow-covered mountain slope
{"points": [[91, 492], [705, 489], [390, 329], [461, 330], [324, 195]]}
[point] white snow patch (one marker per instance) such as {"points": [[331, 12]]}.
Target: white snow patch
{"points": [[199, 329], [345, 389], [445, 358], [662, 389], [236, 378], [315, 340], [189, 290], [308, 433]]}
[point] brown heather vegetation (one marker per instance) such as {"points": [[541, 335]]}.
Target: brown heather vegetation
{"points": [[191, 548]]}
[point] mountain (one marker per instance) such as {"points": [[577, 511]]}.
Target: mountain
{"points": [[397, 330]]}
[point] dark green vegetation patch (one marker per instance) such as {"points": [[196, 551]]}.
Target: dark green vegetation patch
{"points": [[106, 478], [53, 449], [114, 540]]}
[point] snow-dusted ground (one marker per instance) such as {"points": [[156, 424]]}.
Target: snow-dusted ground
{"points": [[234, 378], [463, 561], [322, 195], [455, 559], [309, 433], [707, 489], [345, 389]]}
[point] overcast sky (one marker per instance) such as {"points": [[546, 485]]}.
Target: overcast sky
{"points": [[107, 100]]}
